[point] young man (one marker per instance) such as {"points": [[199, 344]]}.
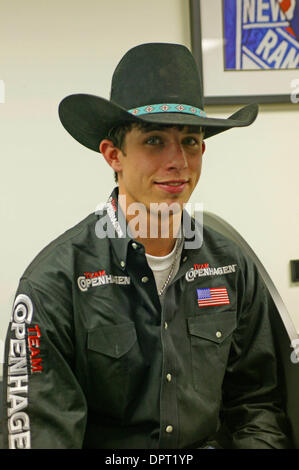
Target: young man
{"points": [[122, 337]]}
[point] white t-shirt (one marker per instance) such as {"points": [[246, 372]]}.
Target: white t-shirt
{"points": [[161, 265]]}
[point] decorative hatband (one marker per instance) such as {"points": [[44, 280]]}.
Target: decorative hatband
{"points": [[167, 108]]}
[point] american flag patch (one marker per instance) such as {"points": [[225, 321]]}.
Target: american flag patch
{"points": [[212, 296]]}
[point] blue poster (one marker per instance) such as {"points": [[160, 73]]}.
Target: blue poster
{"points": [[261, 34]]}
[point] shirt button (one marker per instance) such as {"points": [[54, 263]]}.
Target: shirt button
{"points": [[168, 376], [169, 429], [218, 334], [134, 245], [185, 258], [144, 279], [165, 325]]}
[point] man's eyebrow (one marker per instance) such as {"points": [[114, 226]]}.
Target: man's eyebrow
{"points": [[144, 130]]}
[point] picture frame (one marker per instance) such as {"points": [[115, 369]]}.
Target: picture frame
{"points": [[239, 86]]}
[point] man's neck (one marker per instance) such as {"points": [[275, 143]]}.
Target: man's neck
{"points": [[158, 246], [157, 232], [164, 234]]}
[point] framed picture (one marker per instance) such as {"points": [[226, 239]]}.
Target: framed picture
{"points": [[247, 50]]}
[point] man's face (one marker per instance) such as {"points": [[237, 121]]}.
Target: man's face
{"points": [[162, 165]]}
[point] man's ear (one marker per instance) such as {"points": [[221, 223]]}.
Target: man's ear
{"points": [[111, 154], [203, 148]]}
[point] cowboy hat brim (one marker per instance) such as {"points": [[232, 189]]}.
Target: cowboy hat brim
{"points": [[88, 119]]}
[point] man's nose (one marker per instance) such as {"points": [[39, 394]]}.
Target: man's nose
{"points": [[176, 156]]}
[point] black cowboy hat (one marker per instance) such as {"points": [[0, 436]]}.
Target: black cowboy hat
{"points": [[155, 82]]}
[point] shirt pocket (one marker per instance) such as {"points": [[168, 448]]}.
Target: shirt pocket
{"points": [[210, 341], [112, 340], [112, 355]]}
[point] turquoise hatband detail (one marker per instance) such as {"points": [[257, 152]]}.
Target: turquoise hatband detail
{"points": [[167, 108]]}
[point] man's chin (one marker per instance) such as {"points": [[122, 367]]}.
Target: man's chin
{"points": [[165, 206]]}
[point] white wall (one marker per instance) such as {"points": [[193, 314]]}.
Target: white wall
{"points": [[250, 178], [49, 182]]}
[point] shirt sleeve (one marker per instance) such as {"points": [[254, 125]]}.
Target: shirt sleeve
{"points": [[253, 388], [44, 406]]}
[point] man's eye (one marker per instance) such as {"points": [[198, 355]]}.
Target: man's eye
{"points": [[154, 140], [190, 141]]}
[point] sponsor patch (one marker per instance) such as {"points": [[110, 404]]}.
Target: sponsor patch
{"points": [[212, 296], [86, 282], [205, 270], [17, 390]]}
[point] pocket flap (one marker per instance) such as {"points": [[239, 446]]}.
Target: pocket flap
{"points": [[112, 340], [214, 326]]}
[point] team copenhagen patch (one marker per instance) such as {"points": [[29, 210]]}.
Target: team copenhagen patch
{"points": [[19, 367], [100, 278], [205, 270], [212, 296]]}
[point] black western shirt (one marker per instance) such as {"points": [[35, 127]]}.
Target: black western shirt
{"points": [[94, 361]]}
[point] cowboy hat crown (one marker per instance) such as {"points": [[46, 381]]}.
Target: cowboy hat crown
{"points": [[155, 82], [156, 73]]}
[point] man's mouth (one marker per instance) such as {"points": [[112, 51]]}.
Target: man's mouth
{"points": [[172, 186]]}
